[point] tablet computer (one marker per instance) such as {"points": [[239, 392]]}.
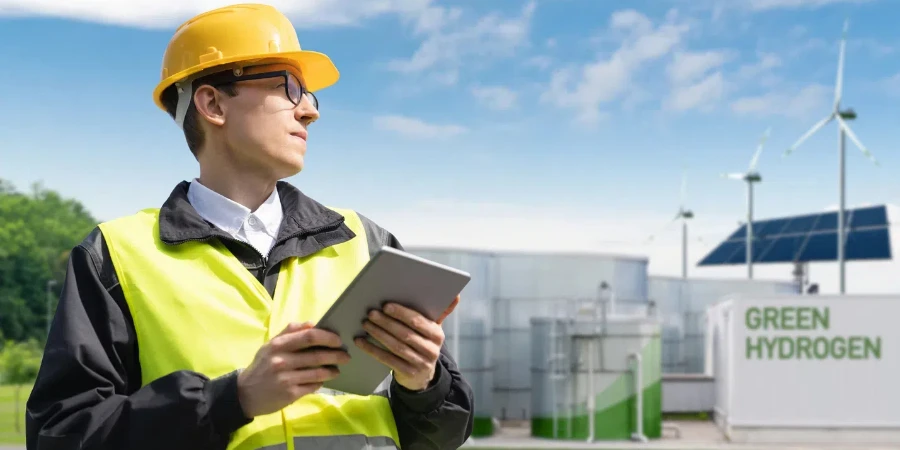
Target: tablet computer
{"points": [[391, 275]]}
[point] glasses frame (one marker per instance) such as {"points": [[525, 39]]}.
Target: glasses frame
{"points": [[230, 77]]}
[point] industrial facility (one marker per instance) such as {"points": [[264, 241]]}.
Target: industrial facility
{"points": [[592, 347]]}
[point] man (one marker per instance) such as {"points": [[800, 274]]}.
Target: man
{"points": [[189, 326]]}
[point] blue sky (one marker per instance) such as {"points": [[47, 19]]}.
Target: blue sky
{"points": [[572, 115]]}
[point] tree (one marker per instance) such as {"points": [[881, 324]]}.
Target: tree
{"points": [[19, 365], [37, 231]]}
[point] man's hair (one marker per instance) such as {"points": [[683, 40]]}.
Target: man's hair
{"points": [[193, 133]]}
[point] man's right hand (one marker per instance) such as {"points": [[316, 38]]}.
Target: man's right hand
{"points": [[288, 367]]}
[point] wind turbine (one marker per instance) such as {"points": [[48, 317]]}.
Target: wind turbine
{"points": [[750, 177], [684, 214], [844, 131]]}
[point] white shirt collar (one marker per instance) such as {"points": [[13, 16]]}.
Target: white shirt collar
{"points": [[230, 215]]}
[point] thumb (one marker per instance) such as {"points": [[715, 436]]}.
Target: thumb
{"points": [[448, 310]]}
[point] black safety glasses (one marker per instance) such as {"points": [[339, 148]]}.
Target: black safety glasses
{"points": [[294, 90]]}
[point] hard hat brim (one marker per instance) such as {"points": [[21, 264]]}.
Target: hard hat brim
{"points": [[318, 71]]}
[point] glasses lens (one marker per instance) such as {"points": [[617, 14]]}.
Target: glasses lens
{"points": [[295, 92]]}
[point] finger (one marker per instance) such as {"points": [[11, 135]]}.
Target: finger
{"points": [[308, 376], [309, 358], [416, 321], [295, 326], [448, 311], [384, 357], [306, 338], [406, 335], [400, 346]]}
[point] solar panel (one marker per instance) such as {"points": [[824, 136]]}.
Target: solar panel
{"points": [[808, 238]]}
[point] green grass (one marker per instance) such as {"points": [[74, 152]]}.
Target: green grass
{"points": [[8, 433]]}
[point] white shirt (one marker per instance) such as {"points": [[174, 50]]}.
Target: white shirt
{"points": [[258, 228]]}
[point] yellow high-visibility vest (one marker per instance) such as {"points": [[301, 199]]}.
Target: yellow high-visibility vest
{"points": [[195, 307]]}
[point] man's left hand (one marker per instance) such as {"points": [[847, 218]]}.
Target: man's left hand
{"points": [[413, 343]]}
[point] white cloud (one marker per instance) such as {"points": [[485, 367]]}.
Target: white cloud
{"points": [[171, 13], [451, 42], [495, 97], [686, 67], [808, 101], [701, 95], [540, 61], [764, 5], [760, 71], [693, 87], [416, 128], [588, 88]]}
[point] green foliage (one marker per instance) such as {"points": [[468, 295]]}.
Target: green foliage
{"points": [[19, 362], [19, 365], [37, 231]]}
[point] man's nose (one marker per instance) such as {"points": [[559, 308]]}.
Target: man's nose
{"points": [[306, 111]]}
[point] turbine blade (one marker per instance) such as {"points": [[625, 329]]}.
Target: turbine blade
{"points": [[759, 148], [683, 188], [809, 133], [733, 176], [839, 85], [852, 136], [651, 237]]}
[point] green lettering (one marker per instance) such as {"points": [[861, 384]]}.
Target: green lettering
{"points": [[754, 348], [856, 347], [820, 348], [770, 346], [838, 348], [785, 348], [788, 318], [821, 318], [751, 318], [804, 318], [804, 345], [770, 316], [873, 347]]}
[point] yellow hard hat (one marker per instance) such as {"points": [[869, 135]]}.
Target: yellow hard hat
{"points": [[240, 34]]}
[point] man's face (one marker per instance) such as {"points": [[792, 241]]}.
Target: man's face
{"points": [[264, 131]]}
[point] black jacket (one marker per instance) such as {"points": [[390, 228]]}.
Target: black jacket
{"points": [[88, 392]]}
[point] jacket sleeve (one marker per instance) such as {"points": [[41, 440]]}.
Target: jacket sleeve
{"points": [[441, 416], [89, 395]]}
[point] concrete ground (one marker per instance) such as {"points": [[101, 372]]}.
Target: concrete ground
{"points": [[677, 435]]}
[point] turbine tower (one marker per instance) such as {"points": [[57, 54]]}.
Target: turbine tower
{"points": [[844, 131], [684, 214], [750, 177]]}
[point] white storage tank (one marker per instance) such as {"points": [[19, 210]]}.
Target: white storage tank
{"points": [[472, 319], [682, 304], [550, 285]]}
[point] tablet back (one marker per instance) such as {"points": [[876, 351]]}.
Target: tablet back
{"points": [[390, 276]]}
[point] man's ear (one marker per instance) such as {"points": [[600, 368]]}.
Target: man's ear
{"points": [[208, 102]]}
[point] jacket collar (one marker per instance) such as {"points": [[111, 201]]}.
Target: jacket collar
{"points": [[180, 222]]}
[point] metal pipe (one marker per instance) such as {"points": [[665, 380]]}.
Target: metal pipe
{"points": [[554, 375], [638, 435], [591, 400]]}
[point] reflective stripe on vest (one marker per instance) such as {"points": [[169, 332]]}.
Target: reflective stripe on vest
{"points": [[195, 307]]}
